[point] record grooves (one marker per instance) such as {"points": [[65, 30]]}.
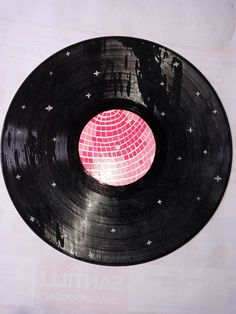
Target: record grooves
{"points": [[100, 223]]}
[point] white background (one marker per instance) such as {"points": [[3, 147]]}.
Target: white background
{"points": [[198, 278]]}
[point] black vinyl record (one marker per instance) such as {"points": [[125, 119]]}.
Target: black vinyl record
{"points": [[96, 222]]}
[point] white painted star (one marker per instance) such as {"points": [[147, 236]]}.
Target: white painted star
{"points": [[162, 83], [23, 107], [198, 93], [96, 73], [113, 230], [198, 198], [179, 158], [117, 147], [176, 64], [91, 255], [54, 139], [88, 95], [18, 177], [19, 132], [149, 242], [159, 202], [218, 178], [67, 53], [190, 129], [50, 73], [205, 152], [163, 113], [214, 111], [53, 184], [32, 219], [48, 108]]}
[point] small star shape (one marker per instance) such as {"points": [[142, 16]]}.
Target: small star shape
{"points": [[50, 73], [117, 147], [23, 107], [159, 202], [190, 129], [32, 219], [88, 95], [113, 230], [18, 177], [205, 152], [198, 198], [48, 108], [53, 184], [179, 158], [162, 83], [54, 139], [198, 93], [18, 132], [149, 242], [67, 53], [91, 255], [130, 53], [176, 64], [96, 73], [214, 111], [218, 178], [163, 113]]}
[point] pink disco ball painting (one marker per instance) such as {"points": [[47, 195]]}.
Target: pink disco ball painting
{"points": [[117, 147]]}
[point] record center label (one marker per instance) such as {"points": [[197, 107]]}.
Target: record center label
{"points": [[117, 147]]}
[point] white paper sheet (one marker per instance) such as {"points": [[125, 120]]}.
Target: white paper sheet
{"points": [[198, 278]]}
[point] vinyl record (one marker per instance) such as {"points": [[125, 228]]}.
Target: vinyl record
{"points": [[116, 151]]}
